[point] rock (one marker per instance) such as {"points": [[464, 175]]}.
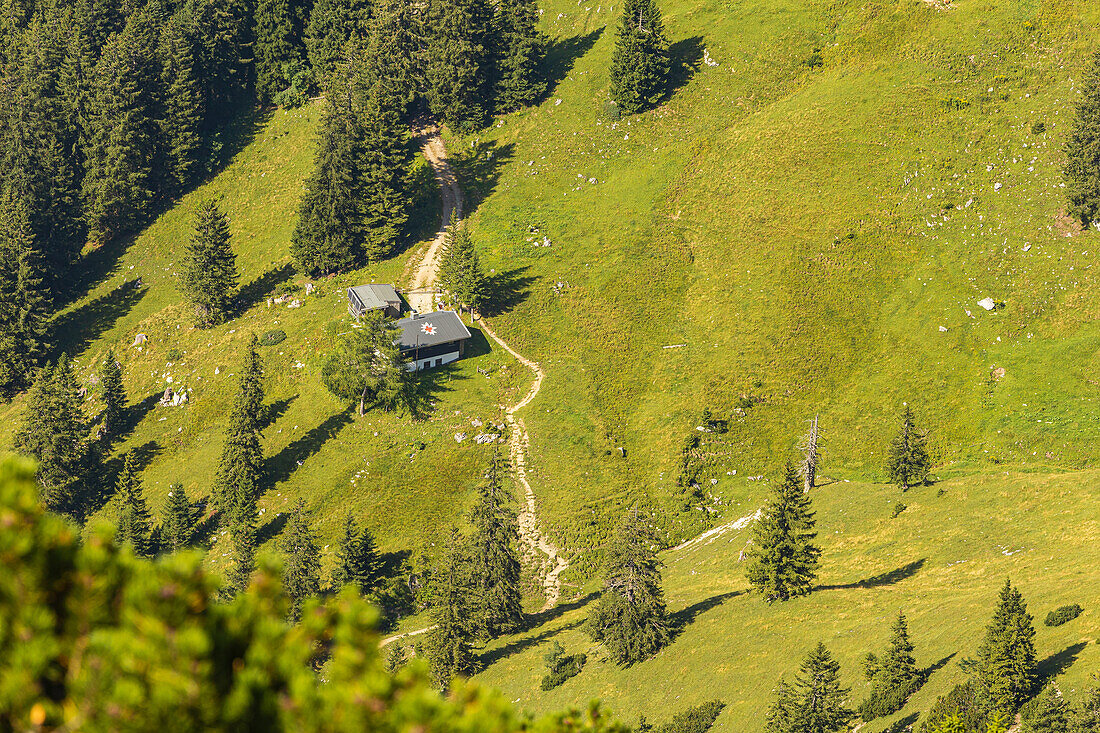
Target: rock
{"points": [[294, 304], [310, 288], [1027, 248], [476, 423], [483, 438], [987, 303], [998, 374], [943, 329], [139, 339], [459, 437], [166, 399], [996, 186]]}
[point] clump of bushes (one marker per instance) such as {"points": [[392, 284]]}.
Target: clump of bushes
{"points": [[560, 667], [881, 703], [898, 509], [1062, 614], [1038, 127], [698, 719], [276, 336]]}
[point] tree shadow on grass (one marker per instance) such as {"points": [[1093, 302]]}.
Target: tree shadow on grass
{"points": [[279, 467], [535, 620], [478, 171], [272, 528], [503, 652], [112, 467], [424, 213], [685, 56], [882, 579], [131, 418], [274, 411], [903, 725], [428, 386], [74, 330], [1058, 663], [506, 290], [937, 666], [680, 620], [261, 287], [562, 55]]}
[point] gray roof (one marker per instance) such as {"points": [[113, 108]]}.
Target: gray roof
{"points": [[431, 329], [375, 295]]}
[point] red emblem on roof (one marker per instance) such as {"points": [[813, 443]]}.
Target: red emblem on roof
{"points": [[428, 329]]}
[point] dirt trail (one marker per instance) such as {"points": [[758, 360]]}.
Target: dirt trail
{"points": [[421, 292]]}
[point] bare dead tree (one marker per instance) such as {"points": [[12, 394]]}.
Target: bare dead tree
{"points": [[809, 456]]}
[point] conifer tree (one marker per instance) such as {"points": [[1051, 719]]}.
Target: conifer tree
{"points": [[135, 524], [1083, 149], [240, 468], [278, 45], [458, 62], [1049, 714], [782, 558], [121, 130], [357, 560], [332, 23], [1086, 715], [183, 110], [521, 51], [631, 619], [24, 300], [302, 565], [639, 61], [907, 460], [210, 267], [1005, 667], [814, 703], [368, 367], [495, 564], [224, 39], [460, 271], [897, 665], [242, 531], [179, 520], [394, 51], [114, 395], [449, 649], [55, 434]]}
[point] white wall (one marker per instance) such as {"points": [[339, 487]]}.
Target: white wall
{"points": [[429, 363]]}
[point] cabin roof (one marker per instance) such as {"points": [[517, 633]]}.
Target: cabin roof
{"points": [[430, 329]]}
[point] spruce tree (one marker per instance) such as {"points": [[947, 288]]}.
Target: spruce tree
{"points": [[179, 520], [1049, 713], [898, 666], [210, 268], [394, 51], [279, 25], [458, 62], [223, 33], [494, 562], [55, 433], [135, 524], [122, 132], [183, 110], [24, 300], [368, 367], [1083, 149], [630, 618], [815, 703], [357, 559], [521, 50], [782, 557], [240, 467], [907, 460], [242, 532], [301, 565], [1086, 715], [114, 395], [1004, 668], [449, 649], [332, 23], [639, 61], [460, 271]]}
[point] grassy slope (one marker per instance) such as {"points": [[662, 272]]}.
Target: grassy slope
{"points": [[315, 449], [792, 228], [942, 562]]}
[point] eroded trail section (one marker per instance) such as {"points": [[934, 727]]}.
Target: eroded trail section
{"points": [[421, 292]]}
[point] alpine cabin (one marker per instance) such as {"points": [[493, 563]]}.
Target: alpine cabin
{"points": [[375, 296], [432, 339]]}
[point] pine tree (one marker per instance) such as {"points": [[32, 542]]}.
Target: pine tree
{"points": [[394, 51], [631, 619], [179, 520], [1050, 713], [521, 50], [242, 531], [24, 300], [279, 27], [122, 131], [223, 33], [302, 565], [135, 524], [1086, 715], [460, 271], [815, 702], [1083, 150], [639, 61], [114, 395], [898, 665], [332, 23], [782, 558], [907, 460], [357, 559], [449, 649], [368, 367], [210, 268], [1004, 667], [240, 468], [183, 112], [55, 434], [458, 62], [495, 564]]}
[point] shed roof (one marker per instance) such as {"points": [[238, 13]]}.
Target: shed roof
{"points": [[430, 329], [375, 295]]}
